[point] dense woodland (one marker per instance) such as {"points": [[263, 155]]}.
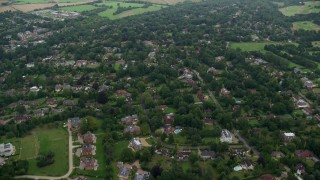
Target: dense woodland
{"points": [[187, 35]]}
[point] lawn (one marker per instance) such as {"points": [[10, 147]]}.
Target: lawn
{"points": [[254, 46], [118, 147], [80, 8], [140, 11], [307, 8], [306, 25], [170, 110], [280, 4], [43, 140], [316, 43]]}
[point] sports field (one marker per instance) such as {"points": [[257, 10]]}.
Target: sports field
{"points": [[307, 8], [306, 25], [43, 140], [253, 46]]}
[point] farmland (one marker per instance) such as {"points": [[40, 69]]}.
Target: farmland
{"points": [[306, 25], [43, 140], [252, 46], [307, 8], [46, 1]]}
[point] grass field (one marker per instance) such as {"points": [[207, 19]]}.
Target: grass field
{"points": [[138, 10], [43, 140], [316, 43], [307, 8], [254, 46], [80, 8], [118, 147], [306, 25], [280, 4]]}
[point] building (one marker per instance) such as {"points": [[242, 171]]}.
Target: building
{"points": [[213, 71], [304, 154], [88, 163], [207, 155], [302, 104], [168, 119], [88, 150], [74, 122], [136, 144], [132, 130], [287, 137], [124, 171], [34, 89], [184, 155], [130, 120], [267, 177], [142, 176], [300, 169], [88, 137], [224, 92], [226, 136], [7, 149]]}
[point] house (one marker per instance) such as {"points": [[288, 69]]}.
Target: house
{"points": [[307, 110], [238, 153], [219, 58], [142, 176], [163, 152], [302, 104], [7, 149], [300, 169], [304, 154], [41, 112], [184, 155], [213, 71], [287, 137], [30, 65], [88, 150], [297, 71], [81, 63], [52, 102], [21, 118], [82, 178], [277, 154], [208, 121], [135, 143], [224, 92], [163, 107], [58, 87], [207, 155], [130, 120], [267, 177], [168, 129], [88, 163], [200, 96], [168, 119], [88, 137], [34, 89], [187, 73], [132, 130], [124, 171], [122, 92], [70, 102], [74, 122], [247, 165], [226, 136]]}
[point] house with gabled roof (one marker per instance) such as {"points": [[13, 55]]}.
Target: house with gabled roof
{"points": [[88, 163], [88, 137], [135, 130], [74, 123], [207, 155], [88, 150]]}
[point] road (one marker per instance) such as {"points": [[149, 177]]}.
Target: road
{"points": [[255, 152], [209, 92], [53, 177]]}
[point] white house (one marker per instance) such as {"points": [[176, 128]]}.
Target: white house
{"points": [[288, 136], [226, 136], [136, 144], [7, 149], [34, 89]]}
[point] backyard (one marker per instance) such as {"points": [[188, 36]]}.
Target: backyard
{"points": [[43, 140]]}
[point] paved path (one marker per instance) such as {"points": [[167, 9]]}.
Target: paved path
{"points": [[53, 177], [255, 152], [209, 92]]}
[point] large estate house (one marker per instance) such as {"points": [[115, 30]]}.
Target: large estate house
{"points": [[7, 149]]}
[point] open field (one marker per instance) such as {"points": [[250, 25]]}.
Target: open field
{"points": [[280, 4], [138, 10], [306, 25], [254, 46], [43, 140], [79, 8], [168, 2], [307, 8]]}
